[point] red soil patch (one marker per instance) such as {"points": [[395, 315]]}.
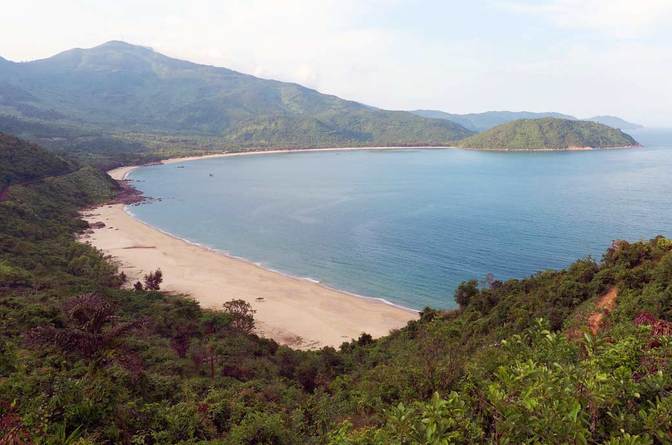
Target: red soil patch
{"points": [[604, 306], [128, 194]]}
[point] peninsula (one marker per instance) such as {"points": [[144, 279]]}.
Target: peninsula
{"points": [[548, 134]]}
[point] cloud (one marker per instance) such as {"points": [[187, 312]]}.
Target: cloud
{"points": [[628, 79], [576, 56], [615, 18], [294, 40]]}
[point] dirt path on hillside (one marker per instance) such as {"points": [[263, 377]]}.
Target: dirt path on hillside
{"points": [[605, 304]]}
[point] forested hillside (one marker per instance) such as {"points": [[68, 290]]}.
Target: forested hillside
{"points": [[548, 134], [137, 95], [22, 162], [580, 355]]}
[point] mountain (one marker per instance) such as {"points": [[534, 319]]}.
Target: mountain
{"points": [[615, 122], [548, 133], [484, 121], [122, 88]]}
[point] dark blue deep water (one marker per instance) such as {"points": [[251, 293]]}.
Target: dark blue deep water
{"points": [[410, 225]]}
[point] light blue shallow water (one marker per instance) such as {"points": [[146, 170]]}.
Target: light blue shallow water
{"points": [[410, 225]]}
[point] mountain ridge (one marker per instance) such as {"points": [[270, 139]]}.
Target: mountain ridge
{"points": [[120, 87], [615, 122], [490, 119]]}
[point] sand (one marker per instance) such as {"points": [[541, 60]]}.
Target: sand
{"points": [[292, 311]]}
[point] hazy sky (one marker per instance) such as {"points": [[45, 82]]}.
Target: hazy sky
{"points": [[582, 57]]}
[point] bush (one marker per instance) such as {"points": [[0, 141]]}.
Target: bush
{"points": [[465, 292], [242, 315], [153, 280], [14, 276]]}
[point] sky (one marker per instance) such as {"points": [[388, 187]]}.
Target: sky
{"points": [[581, 57]]}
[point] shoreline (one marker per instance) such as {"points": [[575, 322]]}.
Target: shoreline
{"points": [[294, 311], [269, 269], [548, 150], [121, 173]]}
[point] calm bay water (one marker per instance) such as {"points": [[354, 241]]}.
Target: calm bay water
{"points": [[410, 225]]}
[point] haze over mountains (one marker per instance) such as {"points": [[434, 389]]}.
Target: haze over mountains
{"points": [[484, 121], [615, 122]]}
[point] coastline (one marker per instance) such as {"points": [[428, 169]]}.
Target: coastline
{"points": [[547, 150], [293, 311], [121, 173], [268, 269]]}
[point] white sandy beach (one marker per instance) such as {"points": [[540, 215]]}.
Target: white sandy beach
{"points": [[292, 311]]}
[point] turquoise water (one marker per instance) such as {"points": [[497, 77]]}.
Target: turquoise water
{"points": [[410, 225]]}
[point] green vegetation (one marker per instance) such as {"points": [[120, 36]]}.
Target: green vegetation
{"points": [[85, 360], [21, 162], [137, 96], [541, 387], [548, 133]]}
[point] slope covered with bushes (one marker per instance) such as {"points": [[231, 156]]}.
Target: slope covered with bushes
{"points": [[21, 162]]}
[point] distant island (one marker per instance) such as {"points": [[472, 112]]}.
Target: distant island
{"points": [[548, 134]]}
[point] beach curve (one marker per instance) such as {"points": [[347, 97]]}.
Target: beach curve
{"points": [[293, 311]]}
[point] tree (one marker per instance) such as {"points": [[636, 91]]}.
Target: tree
{"points": [[465, 292], [90, 331], [242, 315], [364, 339], [182, 338], [153, 280], [215, 325]]}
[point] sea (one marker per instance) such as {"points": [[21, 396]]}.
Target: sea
{"points": [[409, 225]]}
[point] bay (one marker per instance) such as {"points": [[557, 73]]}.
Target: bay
{"points": [[410, 225]]}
